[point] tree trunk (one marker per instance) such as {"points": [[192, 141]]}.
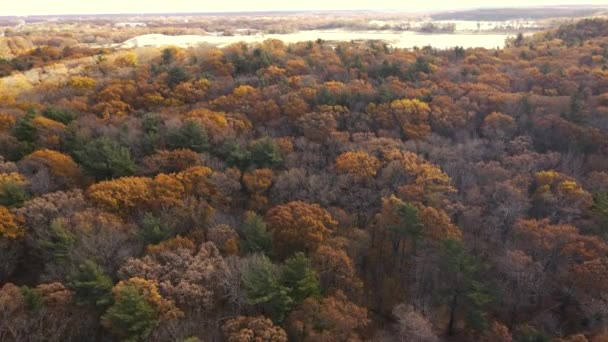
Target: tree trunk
{"points": [[453, 307]]}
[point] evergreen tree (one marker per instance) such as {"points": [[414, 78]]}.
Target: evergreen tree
{"points": [[154, 230], [300, 277], [176, 75], [12, 194], [103, 158], [131, 317], [190, 135], [24, 128], [600, 211], [462, 287], [60, 115], [265, 153], [263, 288], [59, 243], [256, 238], [32, 298], [235, 155], [91, 285], [150, 125]]}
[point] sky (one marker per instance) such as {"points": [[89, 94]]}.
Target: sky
{"points": [[37, 7]]}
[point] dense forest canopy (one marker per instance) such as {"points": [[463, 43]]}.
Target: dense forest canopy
{"points": [[310, 192]]}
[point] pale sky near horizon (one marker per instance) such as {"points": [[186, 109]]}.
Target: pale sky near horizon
{"points": [[37, 7]]}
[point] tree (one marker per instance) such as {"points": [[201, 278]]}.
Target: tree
{"points": [[317, 126], [336, 269], [190, 135], [176, 75], [256, 238], [224, 237], [81, 82], [498, 126], [64, 116], [168, 55], [263, 288], [258, 181], [358, 163], [412, 117], [462, 286], [412, 325], [600, 210], [12, 189], [131, 317], [10, 228], [64, 172], [245, 329], [235, 155], [332, 318], [190, 276], [300, 277], [138, 308], [164, 161], [103, 159], [122, 195], [559, 196], [92, 286], [153, 230], [35, 313], [298, 226], [24, 129], [265, 153]]}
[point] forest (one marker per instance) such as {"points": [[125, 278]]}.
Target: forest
{"points": [[315, 191]]}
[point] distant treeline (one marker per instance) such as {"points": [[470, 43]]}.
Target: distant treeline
{"points": [[499, 14]]}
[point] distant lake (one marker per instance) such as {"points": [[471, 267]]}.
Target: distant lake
{"points": [[398, 39]]}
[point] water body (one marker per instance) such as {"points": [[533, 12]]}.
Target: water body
{"points": [[397, 39]]}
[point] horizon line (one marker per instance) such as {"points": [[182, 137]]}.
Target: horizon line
{"points": [[295, 11]]}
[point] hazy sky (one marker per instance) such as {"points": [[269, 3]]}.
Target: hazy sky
{"points": [[30, 7]]}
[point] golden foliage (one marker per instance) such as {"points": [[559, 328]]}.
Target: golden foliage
{"points": [[81, 82], [121, 195], [6, 122], [60, 165], [299, 226], [358, 163], [165, 309], [167, 190], [258, 181], [10, 228], [196, 181], [12, 178], [412, 117], [173, 244]]}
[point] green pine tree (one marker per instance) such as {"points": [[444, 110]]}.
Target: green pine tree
{"points": [[256, 239], [32, 298], [463, 288], [153, 230], [263, 288], [265, 153], [103, 158], [131, 318], [59, 242], [12, 194], [300, 277], [190, 135], [92, 286]]}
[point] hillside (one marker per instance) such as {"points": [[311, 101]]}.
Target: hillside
{"points": [[306, 192]]}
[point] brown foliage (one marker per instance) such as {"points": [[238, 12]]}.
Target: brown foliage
{"points": [[252, 329], [298, 226]]}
